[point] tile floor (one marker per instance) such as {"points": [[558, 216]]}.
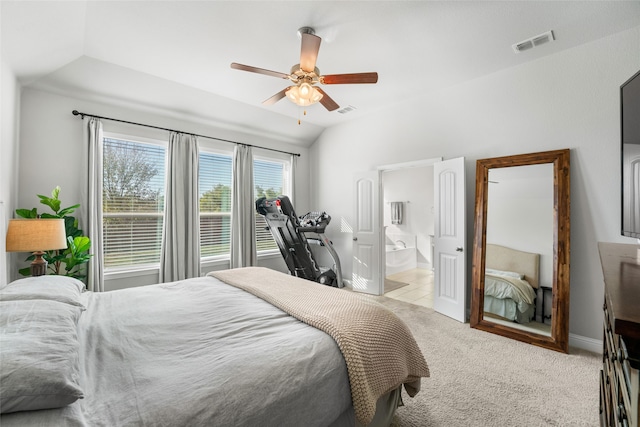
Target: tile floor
{"points": [[420, 288]]}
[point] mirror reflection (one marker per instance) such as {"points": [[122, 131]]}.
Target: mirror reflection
{"points": [[519, 247]]}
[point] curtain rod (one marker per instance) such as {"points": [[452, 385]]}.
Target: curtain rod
{"points": [[82, 115]]}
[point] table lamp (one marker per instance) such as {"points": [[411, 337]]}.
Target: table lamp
{"points": [[36, 235]]}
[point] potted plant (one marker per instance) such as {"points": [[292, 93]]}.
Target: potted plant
{"points": [[70, 261]]}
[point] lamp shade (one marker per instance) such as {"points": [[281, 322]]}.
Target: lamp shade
{"points": [[304, 94], [32, 235]]}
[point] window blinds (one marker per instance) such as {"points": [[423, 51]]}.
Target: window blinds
{"points": [[132, 202], [268, 178], [215, 203]]}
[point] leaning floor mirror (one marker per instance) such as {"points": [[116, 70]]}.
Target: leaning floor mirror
{"points": [[520, 273]]}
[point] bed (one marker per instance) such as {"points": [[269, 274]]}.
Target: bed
{"points": [[240, 347], [510, 284]]}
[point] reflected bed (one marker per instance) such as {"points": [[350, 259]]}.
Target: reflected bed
{"points": [[511, 282]]}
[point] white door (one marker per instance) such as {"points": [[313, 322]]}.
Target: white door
{"points": [[368, 271], [450, 239]]}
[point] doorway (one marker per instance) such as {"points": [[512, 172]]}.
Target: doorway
{"points": [[408, 228], [449, 242]]}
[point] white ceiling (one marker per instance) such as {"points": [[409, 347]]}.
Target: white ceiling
{"points": [[176, 54]]}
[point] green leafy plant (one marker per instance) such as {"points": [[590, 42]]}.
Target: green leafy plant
{"points": [[68, 262]]}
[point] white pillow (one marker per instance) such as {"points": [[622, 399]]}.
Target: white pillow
{"points": [[39, 355], [48, 287]]}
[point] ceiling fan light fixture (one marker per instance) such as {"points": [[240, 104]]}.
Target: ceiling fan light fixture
{"points": [[305, 75], [304, 94]]}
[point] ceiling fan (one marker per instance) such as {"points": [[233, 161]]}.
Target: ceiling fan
{"points": [[306, 75]]}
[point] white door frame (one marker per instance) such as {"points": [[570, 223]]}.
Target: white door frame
{"points": [[408, 165]]}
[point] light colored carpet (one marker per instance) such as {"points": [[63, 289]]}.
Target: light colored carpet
{"points": [[392, 285], [482, 379]]}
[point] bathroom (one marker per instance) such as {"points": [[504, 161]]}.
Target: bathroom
{"points": [[409, 225]]}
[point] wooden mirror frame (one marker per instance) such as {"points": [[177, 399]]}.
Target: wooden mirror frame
{"points": [[559, 339]]}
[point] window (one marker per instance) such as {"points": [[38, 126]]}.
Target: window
{"points": [[271, 179], [214, 183], [132, 202]]}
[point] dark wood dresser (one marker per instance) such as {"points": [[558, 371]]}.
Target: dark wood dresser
{"points": [[619, 378]]}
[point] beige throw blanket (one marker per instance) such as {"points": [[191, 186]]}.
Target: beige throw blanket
{"points": [[378, 348]]}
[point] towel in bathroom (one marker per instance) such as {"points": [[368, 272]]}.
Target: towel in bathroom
{"points": [[396, 212]]}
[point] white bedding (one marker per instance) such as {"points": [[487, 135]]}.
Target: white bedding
{"points": [[503, 287], [142, 362]]}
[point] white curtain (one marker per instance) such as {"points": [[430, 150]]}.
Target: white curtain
{"points": [[91, 210], [243, 235], [294, 161], [180, 254]]}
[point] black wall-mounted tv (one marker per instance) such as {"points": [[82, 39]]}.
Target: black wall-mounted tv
{"points": [[630, 155]]}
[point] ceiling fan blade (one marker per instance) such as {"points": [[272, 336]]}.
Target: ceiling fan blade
{"points": [[327, 102], [337, 79], [277, 97], [309, 52], [251, 69]]}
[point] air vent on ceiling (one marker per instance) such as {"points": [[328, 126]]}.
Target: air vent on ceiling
{"points": [[533, 42], [346, 109]]}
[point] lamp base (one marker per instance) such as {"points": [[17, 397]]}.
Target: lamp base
{"points": [[39, 265]]}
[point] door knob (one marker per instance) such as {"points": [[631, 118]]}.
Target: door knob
{"points": [[355, 239], [459, 249]]}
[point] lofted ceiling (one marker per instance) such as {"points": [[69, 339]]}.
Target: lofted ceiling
{"points": [[176, 55]]}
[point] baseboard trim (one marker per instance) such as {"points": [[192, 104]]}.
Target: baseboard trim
{"points": [[585, 343]]}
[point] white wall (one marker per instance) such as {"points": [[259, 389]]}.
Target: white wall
{"points": [[50, 146], [9, 107], [567, 100]]}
